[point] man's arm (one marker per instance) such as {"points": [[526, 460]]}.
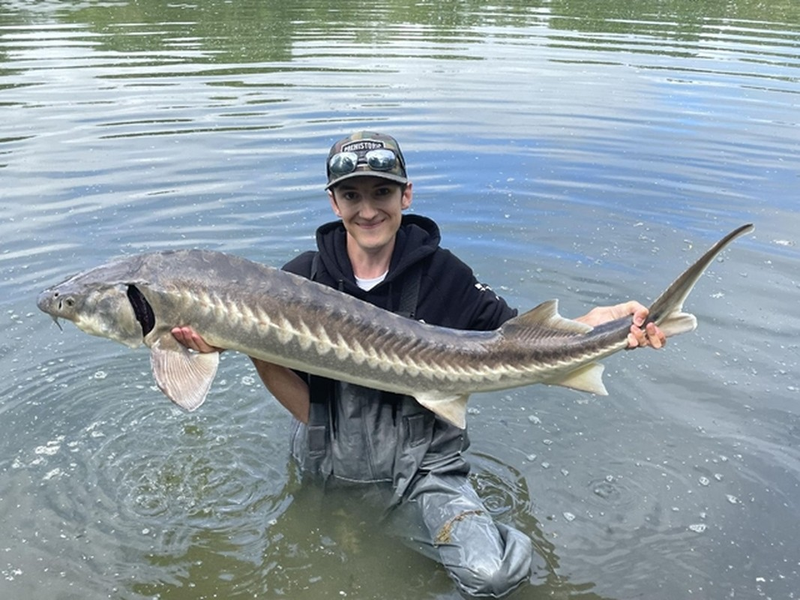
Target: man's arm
{"points": [[286, 385]]}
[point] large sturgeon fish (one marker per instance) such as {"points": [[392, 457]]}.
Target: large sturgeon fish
{"points": [[279, 317]]}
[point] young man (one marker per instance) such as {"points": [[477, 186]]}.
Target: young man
{"points": [[385, 442]]}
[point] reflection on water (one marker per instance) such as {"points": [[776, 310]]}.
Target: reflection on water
{"points": [[580, 150]]}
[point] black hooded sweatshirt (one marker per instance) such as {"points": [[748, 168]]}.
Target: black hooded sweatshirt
{"points": [[449, 293]]}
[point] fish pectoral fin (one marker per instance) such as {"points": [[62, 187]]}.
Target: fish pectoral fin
{"points": [[184, 376], [451, 408], [588, 378]]}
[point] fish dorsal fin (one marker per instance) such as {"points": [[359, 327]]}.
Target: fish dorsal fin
{"points": [[451, 408], [545, 317], [184, 376]]}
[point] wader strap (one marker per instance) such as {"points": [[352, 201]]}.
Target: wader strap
{"points": [[319, 415], [410, 294], [314, 267], [319, 412]]}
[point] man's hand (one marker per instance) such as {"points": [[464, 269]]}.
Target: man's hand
{"points": [[192, 340], [638, 337]]}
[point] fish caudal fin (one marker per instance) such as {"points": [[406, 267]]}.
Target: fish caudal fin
{"points": [[184, 376], [676, 323], [666, 311]]}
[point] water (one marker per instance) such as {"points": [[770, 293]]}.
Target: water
{"points": [[580, 150]]}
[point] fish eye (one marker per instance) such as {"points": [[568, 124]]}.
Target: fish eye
{"points": [[70, 302]]}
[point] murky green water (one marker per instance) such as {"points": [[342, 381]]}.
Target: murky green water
{"points": [[580, 150]]}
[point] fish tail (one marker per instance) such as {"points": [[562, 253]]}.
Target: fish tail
{"points": [[667, 310]]}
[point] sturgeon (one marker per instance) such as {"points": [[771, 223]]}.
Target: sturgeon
{"points": [[282, 318]]}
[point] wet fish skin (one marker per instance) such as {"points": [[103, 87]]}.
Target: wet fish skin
{"points": [[282, 318]]}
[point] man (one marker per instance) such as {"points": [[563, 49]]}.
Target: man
{"points": [[385, 443]]}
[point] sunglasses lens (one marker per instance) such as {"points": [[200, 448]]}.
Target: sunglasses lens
{"points": [[381, 160], [343, 163], [347, 162]]}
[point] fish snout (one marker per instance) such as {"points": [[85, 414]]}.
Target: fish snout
{"points": [[54, 302], [43, 301]]}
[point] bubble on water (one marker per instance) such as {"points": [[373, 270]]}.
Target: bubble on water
{"points": [[100, 375], [732, 499], [698, 527], [704, 481], [52, 447], [569, 516], [248, 380], [535, 420], [606, 490], [11, 573], [531, 457], [52, 473]]}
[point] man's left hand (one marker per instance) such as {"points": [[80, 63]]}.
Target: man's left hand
{"points": [[639, 337]]}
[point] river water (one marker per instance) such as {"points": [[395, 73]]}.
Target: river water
{"points": [[586, 151]]}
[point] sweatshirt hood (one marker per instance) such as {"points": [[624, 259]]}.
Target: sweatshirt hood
{"points": [[417, 238]]}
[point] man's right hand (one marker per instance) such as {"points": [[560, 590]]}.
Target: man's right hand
{"points": [[192, 340]]}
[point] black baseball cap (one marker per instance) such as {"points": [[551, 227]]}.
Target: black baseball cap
{"points": [[366, 153]]}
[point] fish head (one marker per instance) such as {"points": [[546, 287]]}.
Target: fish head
{"points": [[96, 306]]}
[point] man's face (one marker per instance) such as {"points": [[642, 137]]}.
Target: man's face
{"points": [[371, 209]]}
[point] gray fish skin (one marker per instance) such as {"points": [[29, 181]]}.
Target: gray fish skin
{"points": [[282, 318]]}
